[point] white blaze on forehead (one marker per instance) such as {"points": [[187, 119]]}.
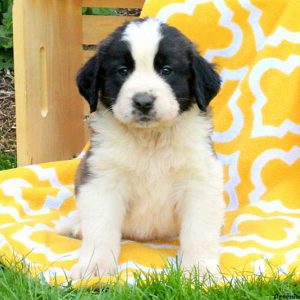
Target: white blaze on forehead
{"points": [[143, 38]]}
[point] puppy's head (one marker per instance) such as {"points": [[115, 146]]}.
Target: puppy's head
{"points": [[147, 73]]}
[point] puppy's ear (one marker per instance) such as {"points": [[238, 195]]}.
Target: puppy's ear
{"points": [[206, 81], [88, 82]]}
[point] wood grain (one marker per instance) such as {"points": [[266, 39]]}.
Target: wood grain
{"points": [[87, 54], [96, 28], [113, 3]]}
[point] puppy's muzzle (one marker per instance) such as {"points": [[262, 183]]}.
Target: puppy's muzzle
{"points": [[143, 102]]}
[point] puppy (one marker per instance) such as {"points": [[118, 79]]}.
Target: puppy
{"points": [[150, 172]]}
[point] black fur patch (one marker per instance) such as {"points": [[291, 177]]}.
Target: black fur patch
{"points": [[193, 79], [174, 51], [83, 174], [98, 79]]}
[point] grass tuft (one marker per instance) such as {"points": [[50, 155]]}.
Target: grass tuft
{"points": [[15, 283]]}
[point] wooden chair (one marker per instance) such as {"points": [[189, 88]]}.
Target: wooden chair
{"points": [[48, 51]]}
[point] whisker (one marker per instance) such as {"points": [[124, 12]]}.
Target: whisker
{"points": [[109, 109]]}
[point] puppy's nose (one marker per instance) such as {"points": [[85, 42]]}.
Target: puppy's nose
{"points": [[143, 102]]}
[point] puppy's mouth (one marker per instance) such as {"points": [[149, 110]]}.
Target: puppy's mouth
{"points": [[140, 118], [144, 120]]}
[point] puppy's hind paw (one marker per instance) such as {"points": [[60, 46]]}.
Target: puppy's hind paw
{"points": [[69, 227]]}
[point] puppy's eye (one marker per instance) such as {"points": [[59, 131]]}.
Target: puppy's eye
{"points": [[123, 71], [166, 71]]}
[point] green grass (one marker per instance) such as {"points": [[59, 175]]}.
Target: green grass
{"points": [[99, 11], [7, 161], [16, 284]]}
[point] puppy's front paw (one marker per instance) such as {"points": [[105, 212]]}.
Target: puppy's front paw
{"points": [[202, 266], [90, 267]]}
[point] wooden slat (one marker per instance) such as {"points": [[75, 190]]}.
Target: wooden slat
{"points": [[113, 3], [86, 54], [96, 28], [47, 56]]}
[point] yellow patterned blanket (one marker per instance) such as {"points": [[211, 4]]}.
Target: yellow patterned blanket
{"points": [[256, 44]]}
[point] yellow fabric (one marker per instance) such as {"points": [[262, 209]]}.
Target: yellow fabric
{"points": [[256, 45]]}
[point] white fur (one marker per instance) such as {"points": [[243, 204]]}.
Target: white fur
{"points": [[148, 184], [143, 39]]}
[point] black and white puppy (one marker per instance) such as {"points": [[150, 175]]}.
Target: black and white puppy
{"points": [[151, 172]]}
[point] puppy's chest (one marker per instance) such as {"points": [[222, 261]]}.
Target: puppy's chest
{"points": [[154, 177], [153, 173], [152, 200]]}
